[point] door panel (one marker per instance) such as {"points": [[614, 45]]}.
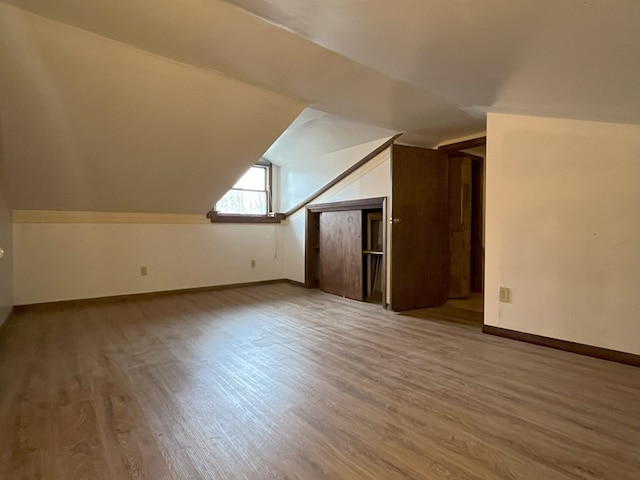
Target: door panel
{"points": [[341, 253], [353, 260], [419, 228], [459, 227]]}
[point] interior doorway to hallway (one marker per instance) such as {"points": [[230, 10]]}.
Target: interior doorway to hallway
{"points": [[466, 222]]}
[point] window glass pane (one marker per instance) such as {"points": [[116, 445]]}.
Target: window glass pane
{"points": [[254, 179], [243, 202]]}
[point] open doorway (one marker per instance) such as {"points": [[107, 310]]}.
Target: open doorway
{"points": [[466, 223]]}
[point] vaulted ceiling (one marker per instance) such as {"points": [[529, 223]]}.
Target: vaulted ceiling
{"points": [[159, 105]]}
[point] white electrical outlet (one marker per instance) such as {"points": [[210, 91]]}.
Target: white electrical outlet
{"points": [[143, 271], [505, 295]]}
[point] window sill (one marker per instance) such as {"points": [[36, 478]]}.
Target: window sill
{"points": [[216, 217]]}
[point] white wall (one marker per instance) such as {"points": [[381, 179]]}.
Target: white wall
{"points": [[63, 261], [372, 180], [300, 179], [57, 261], [563, 229], [6, 263]]}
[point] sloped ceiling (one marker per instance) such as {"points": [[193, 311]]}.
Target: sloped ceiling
{"points": [[215, 35], [568, 58], [95, 125], [159, 105], [314, 133]]}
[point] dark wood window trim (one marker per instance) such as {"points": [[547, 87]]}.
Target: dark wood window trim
{"points": [[216, 217], [269, 167]]}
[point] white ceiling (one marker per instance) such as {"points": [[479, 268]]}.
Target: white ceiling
{"points": [[159, 105], [569, 58]]}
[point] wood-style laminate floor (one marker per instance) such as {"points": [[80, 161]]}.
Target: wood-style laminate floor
{"points": [[475, 302], [279, 382]]}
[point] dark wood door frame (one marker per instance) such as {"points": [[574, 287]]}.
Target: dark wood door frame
{"points": [[312, 229], [460, 149], [477, 227]]}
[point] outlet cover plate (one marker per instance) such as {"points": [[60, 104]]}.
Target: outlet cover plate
{"points": [[505, 295]]}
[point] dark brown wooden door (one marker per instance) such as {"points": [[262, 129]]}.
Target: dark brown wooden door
{"points": [[341, 253], [419, 228], [459, 227]]}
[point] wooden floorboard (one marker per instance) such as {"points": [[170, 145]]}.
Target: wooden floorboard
{"points": [[280, 382]]}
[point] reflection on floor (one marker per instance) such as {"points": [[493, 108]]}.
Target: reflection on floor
{"points": [[278, 381], [464, 311], [474, 303]]}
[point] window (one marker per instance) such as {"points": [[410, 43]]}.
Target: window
{"points": [[249, 201], [251, 195]]}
